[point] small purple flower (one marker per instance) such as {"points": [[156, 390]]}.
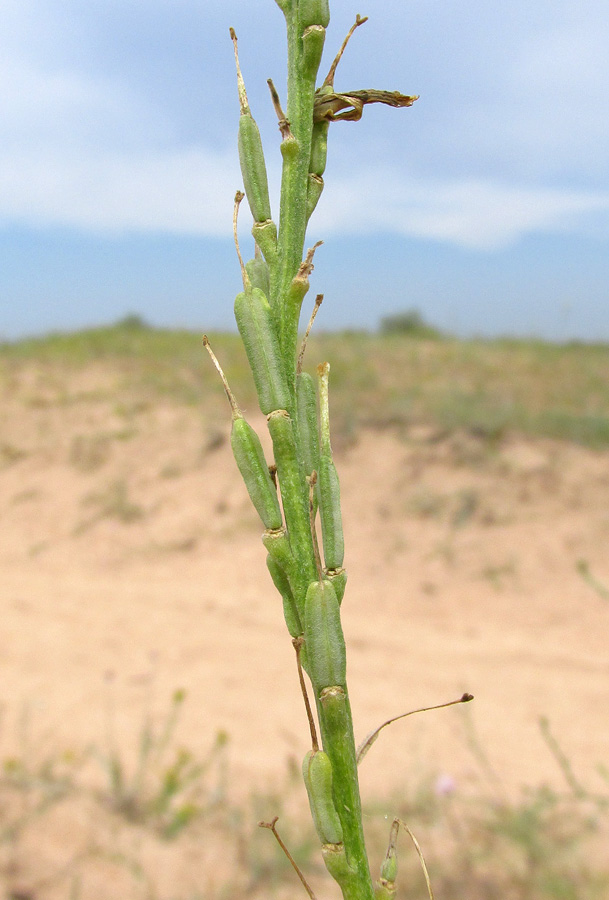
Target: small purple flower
{"points": [[445, 785]]}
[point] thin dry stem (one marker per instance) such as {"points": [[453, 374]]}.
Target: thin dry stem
{"points": [[297, 644], [371, 738], [419, 852], [303, 346], [271, 826]]}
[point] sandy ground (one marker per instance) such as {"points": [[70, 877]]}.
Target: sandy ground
{"points": [[130, 566]]}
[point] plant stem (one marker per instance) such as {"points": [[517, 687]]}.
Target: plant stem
{"points": [[293, 204], [333, 707], [301, 444]]}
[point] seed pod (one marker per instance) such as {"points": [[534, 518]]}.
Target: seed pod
{"points": [[306, 406], [389, 866], [257, 330], [330, 513], [385, 887], [249, 456], [259, 275], [319, 148], [289, 147], [281, 582], [338, 580], [278, 546], [251, 154], [295, 503], [324, 638], [384, 891], [315, 186], [317, 774], [312, 49], [298, 289], [328, 486], [253, 168], [265, 235], [313, 12], [300, 282], [336, 862], [335, 705]]}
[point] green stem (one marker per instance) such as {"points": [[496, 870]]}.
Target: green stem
{"points": [[332, 704], [294, 182], [294, 561], [336, 726]]}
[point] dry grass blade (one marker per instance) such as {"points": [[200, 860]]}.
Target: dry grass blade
{"points": [[421, 857]]}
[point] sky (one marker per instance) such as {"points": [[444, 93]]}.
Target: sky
{"points": [[485, 206]]}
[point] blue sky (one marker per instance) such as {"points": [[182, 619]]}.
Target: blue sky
{"points": [[486, 205]]}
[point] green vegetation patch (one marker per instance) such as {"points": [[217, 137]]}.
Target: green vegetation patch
{"points": [[398, 378]]}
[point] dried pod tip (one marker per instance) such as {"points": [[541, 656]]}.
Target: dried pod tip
{"points": [[284, 125], [245, 110], [306, 267], [246, 279], [329, 81], [312, 480], [303, 346], [236, 412]]}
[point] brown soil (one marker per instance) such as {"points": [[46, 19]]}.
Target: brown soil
{"points": [[130, 566]]}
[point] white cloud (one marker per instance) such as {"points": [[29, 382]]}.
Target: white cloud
{"points": [[184, 191], [55, 109], [189, 191], [87, 150], [473, 213]]}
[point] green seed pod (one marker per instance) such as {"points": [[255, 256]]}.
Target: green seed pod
{"points": [[278, 546], [265, 235], [284, 449], [312, 49], [295, 504], [315, 186], [330, 513], [317, 774], [289, 146], [249, 456], [389, 866], [281, 582], [306, 406], [319, 148], [298, 289], [336, 862], [313, 12], [335, 705], [328, 486], [259, 275], [384, 891], [338, 580], [253, 169], [324, 637], [257, 330]]}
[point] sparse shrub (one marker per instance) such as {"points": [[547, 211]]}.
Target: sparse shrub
{"points": [[409, 324], [133, 322]]}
